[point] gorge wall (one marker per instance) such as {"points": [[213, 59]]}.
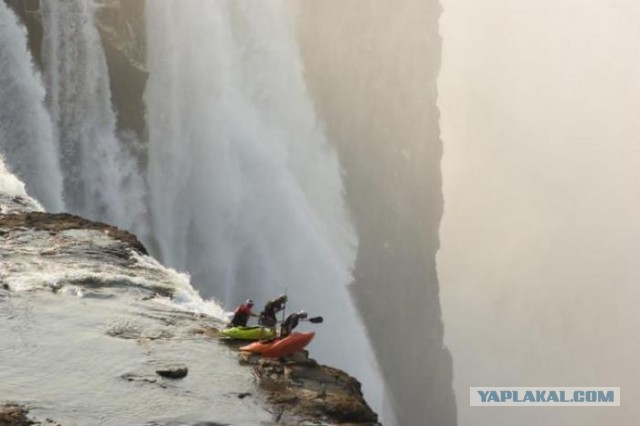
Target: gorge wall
{"points": [[372, 68]]}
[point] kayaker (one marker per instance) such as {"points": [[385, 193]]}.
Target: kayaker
{"points": [[268, 315], [241, 314], [291, 322]]}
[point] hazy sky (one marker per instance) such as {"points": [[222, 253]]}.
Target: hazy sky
{"points": [[539, 265]]}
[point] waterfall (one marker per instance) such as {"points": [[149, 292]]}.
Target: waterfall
{"points": [[102, 180], [242, 189], [26, 132], [245, 189]]}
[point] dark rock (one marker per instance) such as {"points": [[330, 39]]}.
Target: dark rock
{"points": [[303, 392], [122, 27], [173, 372], [14, 415], [134, 377], [58, 222]]}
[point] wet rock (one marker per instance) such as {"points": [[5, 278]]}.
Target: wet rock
{"points": [[134, 377], [301, 391], [14, 415], [55, 223], [173, 372]]}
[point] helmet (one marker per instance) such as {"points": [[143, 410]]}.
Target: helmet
{"points": [[249, 302], [302, 314]]}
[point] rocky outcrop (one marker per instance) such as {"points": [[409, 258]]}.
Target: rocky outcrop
{"points": [[55, 251], [17, 415], [14, 415], [56, 223], [71, 255], [301, 391], [173, 372]]}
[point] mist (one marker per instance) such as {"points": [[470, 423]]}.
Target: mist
{"points": [[372, 68], [540, 235]]}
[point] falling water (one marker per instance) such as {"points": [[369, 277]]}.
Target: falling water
{"points": [[245, 188], [26, 133], [101, 178]]}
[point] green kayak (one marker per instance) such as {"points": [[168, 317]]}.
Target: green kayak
{"points": [[249, 333]]}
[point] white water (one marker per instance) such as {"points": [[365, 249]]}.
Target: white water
{"points": [[13, 195], [245, 188], [85, 325], [101, 178], [9, 184], [26, 133]]}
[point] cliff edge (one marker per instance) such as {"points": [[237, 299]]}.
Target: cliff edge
{"points": [[69, 264]]}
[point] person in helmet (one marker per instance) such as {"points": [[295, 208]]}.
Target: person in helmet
{"points": [[268, 315], [241, 314], [291, 322]]}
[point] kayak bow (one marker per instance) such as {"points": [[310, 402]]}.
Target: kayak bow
{"points": [[249, 333], [277, 348]]}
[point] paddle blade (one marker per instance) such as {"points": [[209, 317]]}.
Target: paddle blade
{"points": [[316, 320]]}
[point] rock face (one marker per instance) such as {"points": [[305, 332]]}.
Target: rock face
{"points": [[373, 74], [121, 26], [303, 392]]}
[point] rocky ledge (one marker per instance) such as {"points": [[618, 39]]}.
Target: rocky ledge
{"points": [[58, 222], [303, 392], [17, 415], [296, 390], [13, 415]]}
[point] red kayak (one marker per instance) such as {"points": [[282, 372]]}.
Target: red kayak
{"points": [[281, 347]]}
